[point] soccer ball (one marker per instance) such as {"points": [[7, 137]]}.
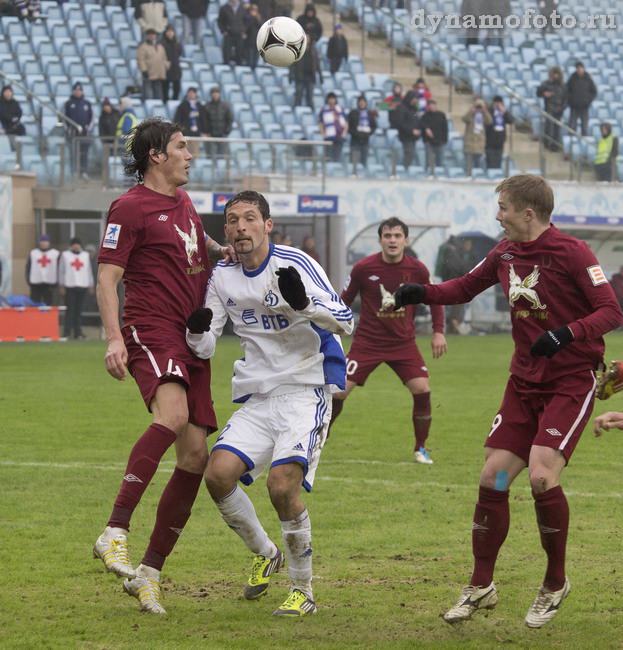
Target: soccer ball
{"points": [[281, 41]]}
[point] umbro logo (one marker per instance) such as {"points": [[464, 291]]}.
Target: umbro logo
{"points": [[476, 526], [230, 303], [307, 553], [554, 432], [507, 256], [373, 277], [130, 478], [546, 529], [176, 530], [299, 447], [163, 217]]}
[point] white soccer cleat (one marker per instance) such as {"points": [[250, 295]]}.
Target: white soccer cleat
{"points": [[423, 456], [472, 598], [147, 591], [114, 553], [546, 605]]}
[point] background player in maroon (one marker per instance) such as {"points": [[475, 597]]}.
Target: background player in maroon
{"points": [[561, 305], [155, 242], [387, 336]]}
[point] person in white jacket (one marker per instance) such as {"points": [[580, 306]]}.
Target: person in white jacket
{"points": [[288, 318], [75, 279]]}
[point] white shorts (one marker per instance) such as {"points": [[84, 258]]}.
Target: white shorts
{"points": [[289, 428]]}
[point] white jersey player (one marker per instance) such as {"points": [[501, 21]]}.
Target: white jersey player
{"points": [[289, 319]]}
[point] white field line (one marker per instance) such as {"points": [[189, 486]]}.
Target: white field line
{"points": [[167, 466]]}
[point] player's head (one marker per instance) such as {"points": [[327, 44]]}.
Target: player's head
{"points": [[44, 242], [75, 245], [158, 146], [394, 238], [526, 203], [248, 224]]}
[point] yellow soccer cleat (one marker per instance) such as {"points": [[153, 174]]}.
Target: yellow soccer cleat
{"points": [[296, 604], [147, 591], [263, 568], [114, 554]]}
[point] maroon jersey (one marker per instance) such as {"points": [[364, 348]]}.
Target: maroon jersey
{"points": [[375, 280], [160, 242], [553, 281]]}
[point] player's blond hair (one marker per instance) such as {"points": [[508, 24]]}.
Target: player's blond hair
{"points": [[529, 191]]}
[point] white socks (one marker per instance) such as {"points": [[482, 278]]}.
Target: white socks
{"points": [[239, 514], [297, 544], [143, 571]]}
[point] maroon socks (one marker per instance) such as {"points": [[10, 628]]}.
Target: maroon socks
{"points": [[142, 465], [552, 515], [421, 418]]}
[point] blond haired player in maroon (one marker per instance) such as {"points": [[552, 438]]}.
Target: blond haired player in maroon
{"points": [[387, 336], [155, 243], [560, 305]]}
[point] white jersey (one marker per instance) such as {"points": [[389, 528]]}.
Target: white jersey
{"points": [[74, 270], [284, 349], [43, 266]]}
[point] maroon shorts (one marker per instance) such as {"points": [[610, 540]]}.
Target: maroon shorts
{"points": [[406, 361], [156, 356], [552, 415]]}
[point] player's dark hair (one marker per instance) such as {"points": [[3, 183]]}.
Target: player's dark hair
{"points": [[152, 134], [393, 222], [529, 191], [249, 196]]}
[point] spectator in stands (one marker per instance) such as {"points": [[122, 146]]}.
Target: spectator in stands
{"points": [[606, 156], [434, 125], [193, 19], [495, 133], [10, 114], [476, 120], [231, 23], [310, 22], [127, 120], [470, 15], [582, 92], [423, 95], [287, 240], [309, 247], [219, 119], [501, 8], [252, 23], [42, 271], [276, 237], [361, 125], [283, 8], [337, 49], [391, 103], [78, 109], [407, 122], [28, 9], [75, 277], [174, 50], [151, 14], [616, 281], [303, 73], [547, 7], [556, 95], [108, 120], [333, 126], [190, 115], [153, 64]]}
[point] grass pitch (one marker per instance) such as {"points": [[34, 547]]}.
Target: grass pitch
{"points": [[391, 538]]}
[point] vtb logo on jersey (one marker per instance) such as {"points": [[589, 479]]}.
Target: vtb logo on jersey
{"points": [[190, 241], [519, 288]]}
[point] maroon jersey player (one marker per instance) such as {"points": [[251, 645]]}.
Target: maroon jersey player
{"points": [[387, 336], [560, 305], [155, 243]]}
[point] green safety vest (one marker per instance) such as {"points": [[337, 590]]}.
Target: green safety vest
{"points": [[604, 148]]}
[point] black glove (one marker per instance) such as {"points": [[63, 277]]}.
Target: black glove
{"points": [[551, 342], [292, 287], [409, 294], [199, 321]]}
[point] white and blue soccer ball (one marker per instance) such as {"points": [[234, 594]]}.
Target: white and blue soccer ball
{"points": [[281, 41]]}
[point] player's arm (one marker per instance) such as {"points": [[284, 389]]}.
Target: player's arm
{"points": [[351, 287], [205, 325], [308, 290], [108, 278], [218, 252], [607, 421]]}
